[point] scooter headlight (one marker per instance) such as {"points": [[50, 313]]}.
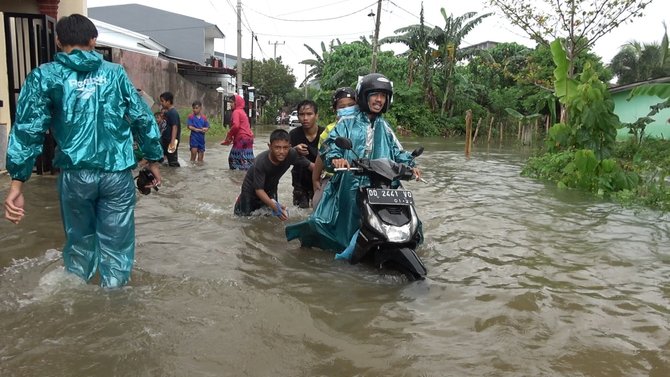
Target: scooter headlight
{"points": [[397, 233], [393, 233]]}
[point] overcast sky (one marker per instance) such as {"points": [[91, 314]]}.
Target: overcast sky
{"points": [[293, 23]]}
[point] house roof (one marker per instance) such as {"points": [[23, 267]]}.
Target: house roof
{"points": [[480, 46], [623, 88], [115, 36], [183, 36], [151, 19]]}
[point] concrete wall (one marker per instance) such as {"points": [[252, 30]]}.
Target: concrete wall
{"points": [[638, 107], [158, 75], [67, 7], [5, 116]]}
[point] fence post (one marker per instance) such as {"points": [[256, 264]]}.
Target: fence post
{"points": [[468, 132], [490, 129], [474, 138]]}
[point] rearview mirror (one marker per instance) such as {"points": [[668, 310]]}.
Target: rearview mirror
{"points": [[343, 142], [417, 152]]}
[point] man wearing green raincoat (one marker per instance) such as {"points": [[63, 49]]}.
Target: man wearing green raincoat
{"points": [[336, 219], [92, 110]]}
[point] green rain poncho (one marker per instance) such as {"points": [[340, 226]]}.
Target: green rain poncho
{"points": [[336, 218], [92, 110]]}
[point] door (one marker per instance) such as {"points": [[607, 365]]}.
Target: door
{"points": [[30, 40]]}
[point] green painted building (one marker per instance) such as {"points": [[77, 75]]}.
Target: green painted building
{"points": [[638, 107]]}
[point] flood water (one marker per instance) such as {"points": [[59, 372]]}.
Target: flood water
{"points": [[524, 279]]}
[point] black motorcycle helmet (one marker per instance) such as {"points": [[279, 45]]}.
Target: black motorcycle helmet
{"points": [[345, 92], [374, 82]]}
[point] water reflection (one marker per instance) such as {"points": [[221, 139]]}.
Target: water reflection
{"points": [[524, 279]]}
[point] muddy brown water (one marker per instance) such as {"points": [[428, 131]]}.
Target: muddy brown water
{"points": [[524, 280]]}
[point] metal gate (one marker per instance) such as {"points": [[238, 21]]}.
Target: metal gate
{"points": [[30, 40]]}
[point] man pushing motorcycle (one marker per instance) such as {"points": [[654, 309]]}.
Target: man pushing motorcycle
{"points": [[336, 219]]}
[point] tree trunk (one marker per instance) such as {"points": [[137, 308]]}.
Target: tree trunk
{"points": [[447, 88]]}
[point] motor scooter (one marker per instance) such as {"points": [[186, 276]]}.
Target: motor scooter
{"points": [[390, 228]]}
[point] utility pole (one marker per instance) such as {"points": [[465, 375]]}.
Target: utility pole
{"points": [[375, 40], [305, 84], [239, 46], [251, 72], [276, 43]]}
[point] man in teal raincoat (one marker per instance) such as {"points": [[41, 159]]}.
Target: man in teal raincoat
{"points": [[93, 110], [336, 219]]}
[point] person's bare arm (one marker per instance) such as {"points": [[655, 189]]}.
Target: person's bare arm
{"points": [[268, 201], [316, 173], [15, 202], [173, 136]]}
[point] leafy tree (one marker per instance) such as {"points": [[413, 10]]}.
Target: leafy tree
{"points": [[272, 78], [345, 63], [580, 23], [637, 61], [419, 55], [448, 40], [318, 62], [293, 97], [495, 75]]}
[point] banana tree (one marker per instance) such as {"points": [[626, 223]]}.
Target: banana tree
{"points": [[318, 62], [448, 40], [419, 54]]}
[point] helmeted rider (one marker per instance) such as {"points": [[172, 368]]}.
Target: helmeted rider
{"points": [[344, 103], [336, 220]]}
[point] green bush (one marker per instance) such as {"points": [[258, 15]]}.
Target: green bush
{"points": [[582, 170]]}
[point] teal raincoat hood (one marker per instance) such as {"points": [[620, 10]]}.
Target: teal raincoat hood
{"points": [[91, 108], [81, 61]]}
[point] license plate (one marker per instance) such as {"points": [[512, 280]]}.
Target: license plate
{"points": [[389, 196]]}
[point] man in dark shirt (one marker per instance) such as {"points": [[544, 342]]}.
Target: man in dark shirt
{"points": [[305, 139], [170, 136], [260, 183]]}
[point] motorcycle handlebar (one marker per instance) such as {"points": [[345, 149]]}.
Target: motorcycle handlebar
{"points": [[348, 169], [405, 172]]}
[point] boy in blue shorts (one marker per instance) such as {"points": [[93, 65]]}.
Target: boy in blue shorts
{"points": [[198, 125]]}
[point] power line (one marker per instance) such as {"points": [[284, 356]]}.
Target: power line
{"points": [[313, 36], [246, 26], [337, 3], [314, 20], [246, 19], [260, 48], [411, 14]]}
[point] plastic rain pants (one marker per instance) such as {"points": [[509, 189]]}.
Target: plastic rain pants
{"points": [[97, 209]]}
